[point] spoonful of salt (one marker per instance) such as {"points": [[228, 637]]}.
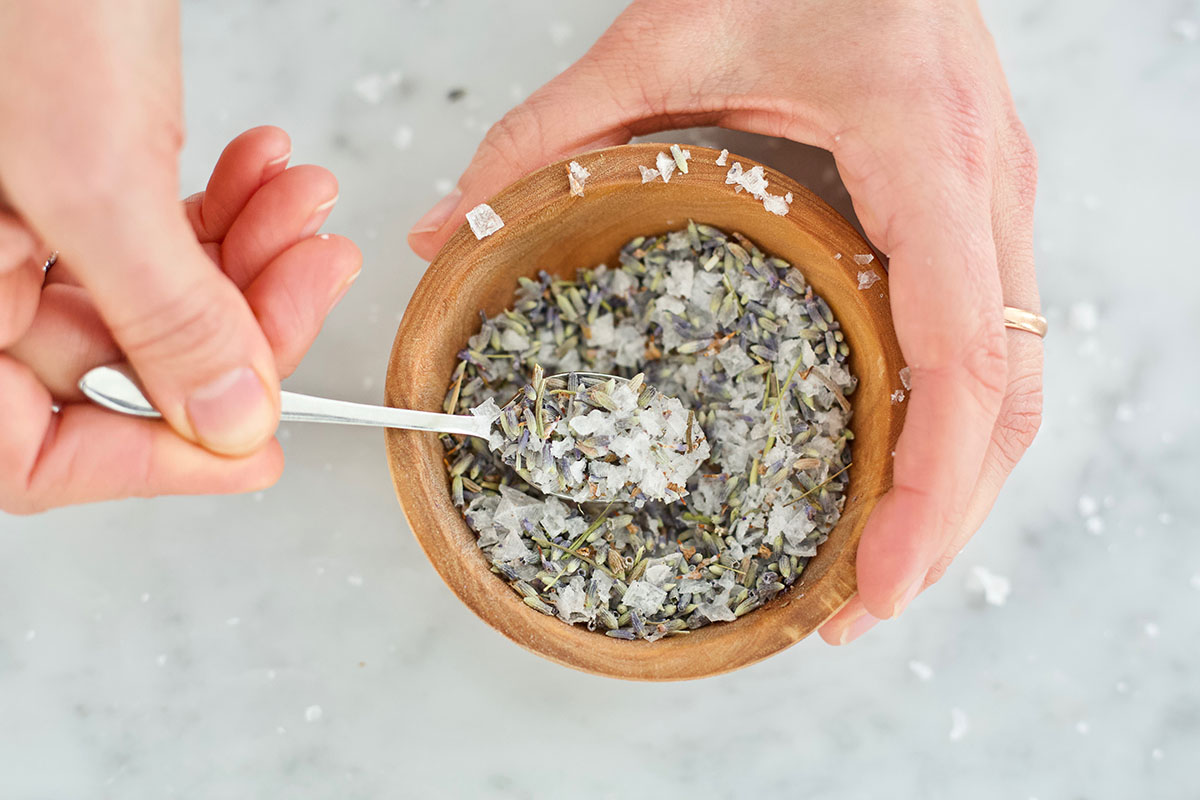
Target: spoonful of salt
{"points": [[581, 436]]}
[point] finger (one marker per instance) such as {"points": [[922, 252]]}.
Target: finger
{"points": [[297, 290], [20, 279], [290, 207], [1021, 410], [848, 624], [66, 339], [247, 163], [98, 177], [925, 198], [85, 454], [1018, 422]]}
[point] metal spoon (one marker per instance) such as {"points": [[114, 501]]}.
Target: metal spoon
{"points": [[116, 388]]}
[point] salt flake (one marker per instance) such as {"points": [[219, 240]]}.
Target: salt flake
{"points": [[484, 221], [666, 166], [906, 377], [1088, 505], [373, 86], [647, 173], [403, 137], [867, 278], [959, 724], [313, 713], [897, 396], [864, 259], [995, 588], [922, 670], [576, 177], [721, 158]]}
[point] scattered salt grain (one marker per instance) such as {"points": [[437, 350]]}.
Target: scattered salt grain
{"points": [[922, 670], [1195, 582], [484, 221], [959, 724], [403, 137], [354, 580], [644, 597], [906, 377], [313, 713], [1083, 316], [897, 396], [837, 256], [576, 177], [1124, 412], [721, 158], [867, 278], [864, 259], [1152, 630], [666, 166], [373, 86], [1186, 29], [647, 173], [775, 204], [1165, 518], [145, 598], [161, 660], [1094, 525], [1156, 754], [995, 588], [1082, 728], [1088, 505], [233, 622], [30, 635], [443, 186]]}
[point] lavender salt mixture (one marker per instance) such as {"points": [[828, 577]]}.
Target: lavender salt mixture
{"points": [[594, 439], [761, 364]]}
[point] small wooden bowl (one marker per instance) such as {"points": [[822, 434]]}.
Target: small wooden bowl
{"points": [[546, 228]]}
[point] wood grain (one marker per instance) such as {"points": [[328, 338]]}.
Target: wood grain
{"points": [[546, 228]]}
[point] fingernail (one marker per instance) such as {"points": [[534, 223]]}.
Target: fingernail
{"points": [[857, 628], [341, 292], [232, 414], [438, 215], [269, 167], [908, 596], [317, 219]]}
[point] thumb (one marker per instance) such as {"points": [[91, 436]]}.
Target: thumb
{"points": [[184, 326]]}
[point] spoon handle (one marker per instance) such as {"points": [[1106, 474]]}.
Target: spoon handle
{"points": [[116, 388]]}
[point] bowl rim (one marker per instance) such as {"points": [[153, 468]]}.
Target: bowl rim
{"points": [[452, 550]]}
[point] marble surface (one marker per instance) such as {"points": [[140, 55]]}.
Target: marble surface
{"points": [[297, 643]]}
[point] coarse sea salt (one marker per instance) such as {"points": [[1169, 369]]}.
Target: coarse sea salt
{"points": [[867, 279], [863, 259], [484, 221], [576, 177], [960, 725], [721, 158], [666, 166], [923, 671], [906, 377], [995, 588], [647, 173]]}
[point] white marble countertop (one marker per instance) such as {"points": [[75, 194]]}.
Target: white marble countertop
{"points": [[297, 643]]}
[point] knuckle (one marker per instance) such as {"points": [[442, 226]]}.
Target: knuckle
{"points": [[985, 361], [1020, 417], [519, 131], [190, 327]]}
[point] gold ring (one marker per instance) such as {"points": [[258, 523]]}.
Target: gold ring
{"points": [[1021, 320]]}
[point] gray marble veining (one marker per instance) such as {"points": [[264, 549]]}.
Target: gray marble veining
{"points": [[297, 643]]}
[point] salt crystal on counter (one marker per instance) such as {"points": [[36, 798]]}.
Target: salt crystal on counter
{"points": [[403, 137], [1152, 630], [867, 279], [995, 588], [1083, 316], [1195, 582], [484, 221], [922, 670], [1186, 29], [313, 713], [959, 724], [373, 86], [1088, 505], [1094, 525], [576, 177]]}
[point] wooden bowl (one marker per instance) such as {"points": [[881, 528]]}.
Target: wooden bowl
{"points": [[546, 228]]}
